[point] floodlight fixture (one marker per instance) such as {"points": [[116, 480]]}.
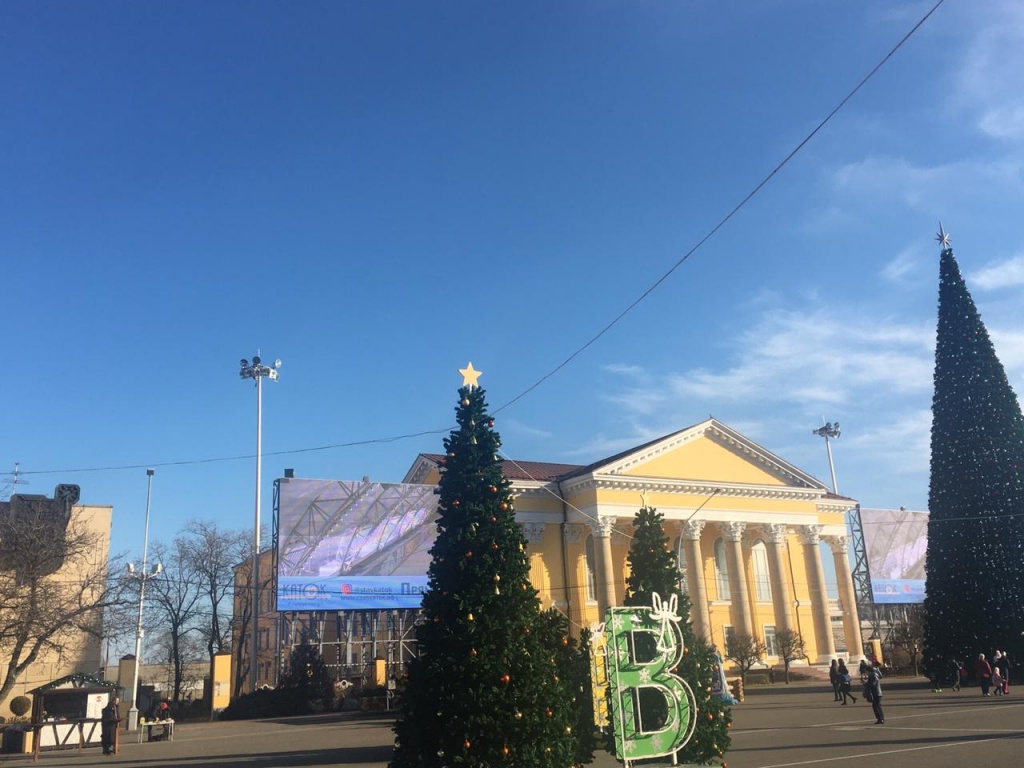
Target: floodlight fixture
{"points": [[829, 431]]}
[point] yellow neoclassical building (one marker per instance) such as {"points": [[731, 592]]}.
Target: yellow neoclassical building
{"points": [[751, 532], [762, 545]]}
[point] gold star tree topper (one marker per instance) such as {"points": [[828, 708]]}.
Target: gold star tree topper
{"points": [[469, 376]]}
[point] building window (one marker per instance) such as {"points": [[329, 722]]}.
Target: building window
{"points": [[762, 581], [729, 634], [681, 563], [721, 571], [769, 641], [591, 558]]}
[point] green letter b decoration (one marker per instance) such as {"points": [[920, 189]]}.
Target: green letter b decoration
{"points": [[644, 645]]}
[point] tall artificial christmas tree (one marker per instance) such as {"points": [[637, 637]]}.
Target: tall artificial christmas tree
{"points": [[975, 582], [653, 568], [484, 690]]}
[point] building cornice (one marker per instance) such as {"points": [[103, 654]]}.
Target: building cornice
{"points": [[692, 488]]}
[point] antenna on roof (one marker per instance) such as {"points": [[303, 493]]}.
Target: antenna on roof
{"points": [[11, 482]]}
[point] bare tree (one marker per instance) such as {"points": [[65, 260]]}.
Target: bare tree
{"points": [[53, 585], [790, 646], [212, 554], [745, 651], [907, 635], [175, 605]]}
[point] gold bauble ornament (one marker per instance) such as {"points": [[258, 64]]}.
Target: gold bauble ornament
{"points": [[465, 402]]}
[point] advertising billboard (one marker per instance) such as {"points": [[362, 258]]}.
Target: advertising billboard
{"points": [[353, 545], [896, 541]]}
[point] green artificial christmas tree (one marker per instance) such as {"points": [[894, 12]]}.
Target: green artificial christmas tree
{"points": [[975, 582], [573, 661], [484, 690], [654, 569], [308, 677]]}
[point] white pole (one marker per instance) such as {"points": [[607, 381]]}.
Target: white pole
{"points": [[831, 466], [133, 711], [254, 666]]}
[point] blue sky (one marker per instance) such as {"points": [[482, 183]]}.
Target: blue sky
{"points": [[377, 193]]}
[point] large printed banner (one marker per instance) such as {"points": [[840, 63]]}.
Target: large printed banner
{"points": [[653, 710], [896, 541], [353, 545]]}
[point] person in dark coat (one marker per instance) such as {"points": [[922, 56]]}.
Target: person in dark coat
{"points": [[873, 692], [110, 717], [833, 677], [844, 682], [984, 670]]}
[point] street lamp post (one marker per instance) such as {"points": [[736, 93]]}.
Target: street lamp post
{"points": [[143, 576], [257, 371], [829, 430]]}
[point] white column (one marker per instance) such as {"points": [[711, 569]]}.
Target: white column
{"points": [[810, 535], [782, 597], [606, 570], [847, 596], [690, 532], [741, 616]]}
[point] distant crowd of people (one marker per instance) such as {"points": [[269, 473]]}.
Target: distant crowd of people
{"points": [[870, 680], [993, 673]]}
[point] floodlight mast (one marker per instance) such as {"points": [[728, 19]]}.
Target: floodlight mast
{"points": [[829, 430], [143, 576], [257, 371]]}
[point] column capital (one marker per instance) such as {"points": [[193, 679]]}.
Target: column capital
{"points": [[575, 532], [810, 534], [775, 533], [840, 545], [533, 532], [691, 529], [602, 527], [732, 531]]}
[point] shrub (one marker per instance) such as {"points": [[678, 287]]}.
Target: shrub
{"points": [[20, 705], [268, 702]]}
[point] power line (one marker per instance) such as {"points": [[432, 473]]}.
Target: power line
{"points": [[593, 339]]}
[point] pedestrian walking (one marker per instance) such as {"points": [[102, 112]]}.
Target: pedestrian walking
{"points": [[984, 670], [873, 692], [833, 677], [844, 683], [957, 671]]}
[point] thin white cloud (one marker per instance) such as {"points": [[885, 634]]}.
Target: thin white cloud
{"points": [[516, 427], [818, 356], [1002, 274], [987, 80], [903, 266], [625, 369], [882, 178]]}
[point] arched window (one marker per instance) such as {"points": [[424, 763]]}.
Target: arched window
{"points": [[721, 571], [591, 558], [762, 581], [681, 563]]}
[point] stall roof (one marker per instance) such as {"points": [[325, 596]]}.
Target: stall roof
{"points": [[76, 680]]}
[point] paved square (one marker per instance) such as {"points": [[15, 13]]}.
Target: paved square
{"points": [[776, 727]]}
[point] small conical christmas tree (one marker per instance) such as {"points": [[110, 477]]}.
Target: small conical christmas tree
{"points": [[975, 582], [655, 569], [484, 690], [308, 676]]}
